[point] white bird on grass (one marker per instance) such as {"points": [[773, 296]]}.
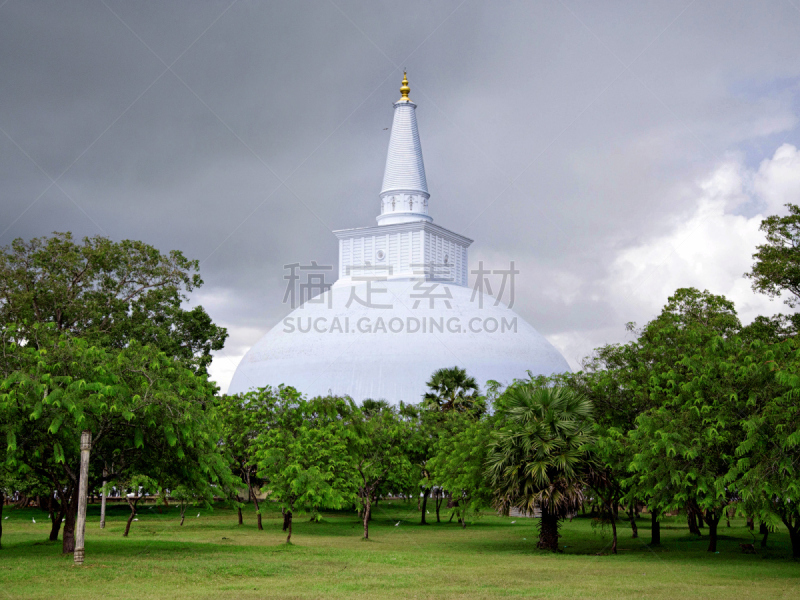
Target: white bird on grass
{"points": [[34, 520], [397, 524], [198, 514], [512, 522]]}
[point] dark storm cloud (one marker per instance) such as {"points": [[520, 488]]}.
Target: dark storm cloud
{"points": [[556, 134]]}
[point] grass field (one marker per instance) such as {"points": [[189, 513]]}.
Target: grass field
{"points": [[213, 557]]}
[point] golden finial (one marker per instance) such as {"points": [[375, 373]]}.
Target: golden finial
{"points": [[404, 89]]}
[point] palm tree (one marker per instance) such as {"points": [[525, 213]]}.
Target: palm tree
{"points": [[539, 455], [453, 390]]}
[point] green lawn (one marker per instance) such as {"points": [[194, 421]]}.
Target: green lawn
{"points": [[212, 557]]}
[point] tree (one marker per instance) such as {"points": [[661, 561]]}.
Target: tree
{"points": [[95, 333], [137, 487], [685, 446], [187, 496], [243, 417], [109, 293], [303, 452], [453, 392], [378, 449], [459, 462], [767, 465], [7, 487], [615, 379], [148, 414], [626, 381], [777, 263], [538, 456], [422, 433], [452, 389]]}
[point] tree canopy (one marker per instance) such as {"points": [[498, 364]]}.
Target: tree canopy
{"points": [[110, 293]]}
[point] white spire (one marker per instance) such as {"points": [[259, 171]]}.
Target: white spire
{"points": [[404, 194]]}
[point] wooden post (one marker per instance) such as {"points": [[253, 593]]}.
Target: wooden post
{"points": [[103, 500], [83, 491]]}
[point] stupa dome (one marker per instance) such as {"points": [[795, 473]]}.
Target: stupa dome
{"points": [[390, 353]]}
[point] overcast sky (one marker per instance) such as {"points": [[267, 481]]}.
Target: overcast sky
{"points": [[614, 151]]}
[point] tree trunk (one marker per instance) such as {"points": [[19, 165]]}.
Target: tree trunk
{"points": [[255, 501], [712, 520], [56, 516], [439, 500], [766, 534], [70, 513], [632, 517], [103, 500], [794, 537], [691, 519], [240, 516], [287, 520], [183, 513], [2, 502], [132, 504], [613, 535], [655, 529], [464, 518], [425, 492], [548, 531], [762, 528], [751, 525], [611, 503], [367, 511]]}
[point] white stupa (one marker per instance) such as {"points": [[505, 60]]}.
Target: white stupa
{"points": [[401, 307]]}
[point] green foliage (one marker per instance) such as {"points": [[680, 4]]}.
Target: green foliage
{"points": [[767, 453], [684, 442], [242, 417], [538, 455], [777, 263], [110, 293], [378, 451], [459, 462], [302, 452], [148, 415], [452, 389]]}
